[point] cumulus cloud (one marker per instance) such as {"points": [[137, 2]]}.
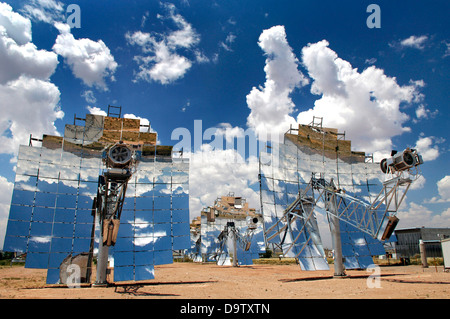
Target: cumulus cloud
{"points": [[30, 102], [185, 36], [366, 105], [443, 187], [16, 27], [419, 183], [271, 105], [161, 61], [91, 61], [18, 55], [200, 57], [31, 106], [421, 112], [425, 148]]}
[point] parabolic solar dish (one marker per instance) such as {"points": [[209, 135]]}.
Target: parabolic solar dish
{"points": [[217, 242], [297, 180], [225, 226], [53, 218]]}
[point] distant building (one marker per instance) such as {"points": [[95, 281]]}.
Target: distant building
{"points": [[407, 244]]}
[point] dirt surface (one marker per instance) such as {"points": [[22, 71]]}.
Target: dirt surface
{"points": [[209, 281]]}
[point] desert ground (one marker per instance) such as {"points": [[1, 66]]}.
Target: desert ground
{"points": [[189, 280]]}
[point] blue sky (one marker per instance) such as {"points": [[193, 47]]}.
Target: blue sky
{"points": [[235, 65]]}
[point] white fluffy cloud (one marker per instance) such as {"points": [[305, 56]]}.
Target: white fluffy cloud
{"points": [[164, 66], [444, 188], [30, 106], [16, 26], [419, 183], [30, 102], [271, 105], [96, 110], [18, 55], [91, 61], [366, 105], [160, 60], [425, 148]]}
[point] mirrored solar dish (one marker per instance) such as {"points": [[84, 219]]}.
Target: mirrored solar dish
{"points": [[292, 175], [52, 214], [249, 248], [280, 185], [217, 241], [356, 250]]}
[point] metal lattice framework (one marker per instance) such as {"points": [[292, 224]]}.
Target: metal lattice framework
{"points": [[367, 217]]}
